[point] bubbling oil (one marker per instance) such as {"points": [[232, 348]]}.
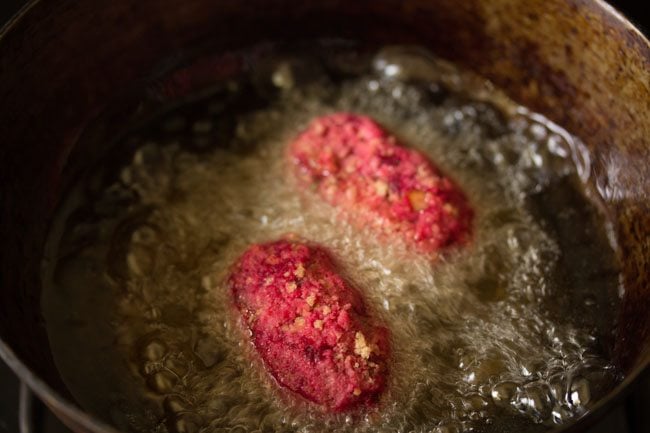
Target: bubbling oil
{"points": [[509, 333]]}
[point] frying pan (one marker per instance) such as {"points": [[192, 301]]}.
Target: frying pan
{"points": [[576, 61]]}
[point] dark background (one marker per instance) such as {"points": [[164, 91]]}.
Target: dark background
{"points": [[636, 11], [638, 407]]}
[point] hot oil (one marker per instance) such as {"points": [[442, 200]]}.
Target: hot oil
{"points": [[511, 332]]}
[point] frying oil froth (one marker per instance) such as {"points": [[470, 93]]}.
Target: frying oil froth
{"points": [[510, 331]]}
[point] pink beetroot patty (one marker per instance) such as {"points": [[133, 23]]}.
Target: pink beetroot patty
{"points": [[310, 325], [356, 165]]}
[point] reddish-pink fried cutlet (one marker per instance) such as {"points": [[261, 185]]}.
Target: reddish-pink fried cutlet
{"points": [[354, 164], [310, 325]]}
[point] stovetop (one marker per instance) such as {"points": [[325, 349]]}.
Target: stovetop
{"points": [[40, 419]]}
